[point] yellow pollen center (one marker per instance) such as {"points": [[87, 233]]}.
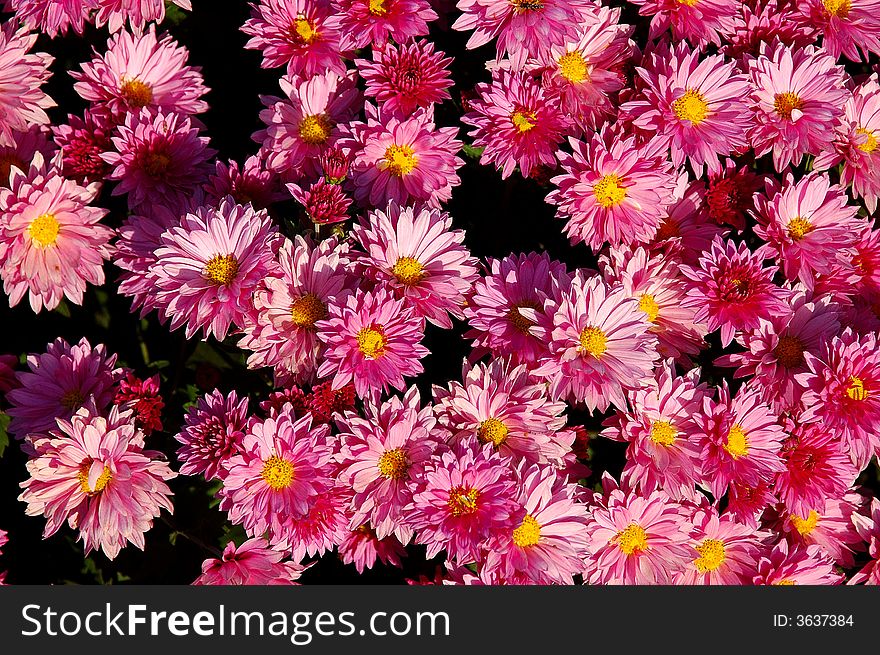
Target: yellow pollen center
{"points": [[663, 433], [307, 310], [43, 230], [573, 67], [136, 93], [520, 322], [222, 269], [463, 501], [524, 120], [869, 145], [372, 342], [856, 389], [691, 107], [785, 582], [392, 464], [799, 227], [377, 7], [839, 8], [492, 430], [737, 442], [633, 539], [789, 351], [315, 129], [303, 30], [785, 103], [100, 483], [608, 191], [277, 472], [522, 6], [593, 341], [409, 271], [711, 557], [687, 3], [528, 533], [807, 525], [648, 305], [400, 160]]}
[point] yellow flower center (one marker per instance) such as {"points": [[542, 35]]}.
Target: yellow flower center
{"points": [[315, 129], [691, 107], [807, 525], [785, 582], [72, 400], [799, 227], [839, 8], [377, 7], [522, 6], [372, 342], [869, 145], [633, 539], [307, 310], [222, 269], [593, 341], [528, 533], [400, 160], [302, 30], [409, 271], [648, 305], [392, 464], [856, 389], [136, 93], [43, 230], [277, 472], [687, 3], [573, 67], [463, 501], [608, 191], [785, 103], [492, 430], [520, 322], [711, 557], [524, 120], [663, 433], [789, 351], [100, 483], [737, 442]]}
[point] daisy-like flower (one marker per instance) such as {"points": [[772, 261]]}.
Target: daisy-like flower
{"points": [[209, 266], [82, 141], [796, 565], [723, 552], [297, 34], [406, 77], [283, 467], [94, 474], [730, 289], [507, 407], [324, 527], [142, 397], [402, 160], [514, 123], [636, 540], [140, 71], [417, 255], [281, 331], [612, 190], [22, 74], [464, 497], [747, 503], [687, 232], [250, 183], [761, 23], [833, 528], [382, 453], [740, 440], [600, 345], [137, 13], [378, 22], [373, 340], [362, 548], [212, 434], [52, 243], [159, 158], [21, 153], [701, 22], [51, 17], [252, 563], [325, 402], [797, 96], [693, 102], [549, 544], [302, 125], [868, 527], [843, 392], [846, 26], [60, 382]]}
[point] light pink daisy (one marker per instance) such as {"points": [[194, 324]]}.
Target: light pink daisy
{"points": [[52, 17], [22, 74], [21, 153], [833, 528], [418, 255], [249, 183], [137, 13], [212, 433], [723, 552], [796, 565], [868, 527], [378, 22], [701, 22], [208, 268], [82, 141], [363, 549], [846, 26], [252, 563]]}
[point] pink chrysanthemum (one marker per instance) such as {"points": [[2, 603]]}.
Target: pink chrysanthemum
{"points": [[281, 330], [82, 142], [612, 190], [747, 503], [250, 183], [688, 231], [142, 397], [284, 466], [526, 282], [52, 243], [324, 203], [730, 195], [137, 13], [363, 549], [378, 22], [208, 268], [382, 454], [324, 527], [636, 540], [327, 404], [723, 552], [373, 340], [21, 153], [402, 160], [514, 123], [94, 474], [212, 434], [297, 34], [464, 497], [417, 254], [52, 17], [796, 565], [797, 96], [406, 77], [693, 102], [730, 289], [833, 528], [763, 22], [701, 22], [600, 345], [846, 26], [507, 407], [252, 563], [868, 528], [22, 100]]}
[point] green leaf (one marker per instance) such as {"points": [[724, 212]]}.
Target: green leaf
{"points": [[174, 14], [472, 152], [4, 435], [63, 308]]}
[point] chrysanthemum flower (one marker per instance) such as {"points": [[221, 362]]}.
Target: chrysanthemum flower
{"points": [[378, 22], [21, 153], [252, 563], [406, 77], [281, 330], [688, 231], [297, 34], [212, 434], [746, 503], [51, 17], [611, 190], [94, 474], [417, 254], [464, 497], [730, 195], [723, 552], [796, 565], [530, 282], [142, 397], [868, 528], [60, 382], [797, 96], [730, 289], [382, 454], [82, 141], [846, 26], [833, 528], [140, 71], [208, 268], [514, 123], [137, 13], [327, 404], [636, 540], [324, 527], [363, 549], [373, 340], [758, 26], [402, 160], [695, 103], [701, 22], [250, 183], [22, 74], [600, 345], [324, 203]]}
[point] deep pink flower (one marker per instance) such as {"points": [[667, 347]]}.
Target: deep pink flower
{"points": [[212, 434], [324, 203], [796, 565], [688, 232], [363, 549], [250, 183], [82, 141], [52, 17], [20, 154], [378, 22], [846, 26], [143, 399], [252, 563], [730, 195], [22, 74], [700, 22], [833, 528], [137, 13], [762, 22]]}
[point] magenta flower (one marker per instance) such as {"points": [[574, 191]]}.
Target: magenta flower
{"points": [[796, 565], [324, 203], [701, 22], [82, 142], [378, 22], [688, 232], [52, 17], [252, 563], [846, 26], [834, 529], [137, 13], [22, 101], [212, 434], [723, 552], [20, 154], [324, 527], [250, 183], [363, 549]]}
